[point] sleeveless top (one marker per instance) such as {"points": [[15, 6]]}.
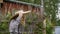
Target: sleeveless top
{"points": [[15, 23]]}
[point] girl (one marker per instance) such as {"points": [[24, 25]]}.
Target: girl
{"points": [[15, 20]]}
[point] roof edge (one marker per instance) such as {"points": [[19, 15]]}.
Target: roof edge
{"points": [[20, 2]]}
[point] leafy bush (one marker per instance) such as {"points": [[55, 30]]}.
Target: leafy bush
{"points": [[33, 18], [49, 27], [5, 23]]}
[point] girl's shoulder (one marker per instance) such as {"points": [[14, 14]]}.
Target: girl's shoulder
{"points": [[12, 20]]}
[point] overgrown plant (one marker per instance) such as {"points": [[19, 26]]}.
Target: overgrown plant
{"points": [[5, 23]]}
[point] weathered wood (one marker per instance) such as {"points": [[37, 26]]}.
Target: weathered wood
{"points": [[18, 6], [25, 3], [1, 1]]}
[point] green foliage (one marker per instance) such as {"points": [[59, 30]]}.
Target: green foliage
{"points": [[30, 18], [50, 10], [38, 29], [49, 26], [5, 24], [58, 23]]}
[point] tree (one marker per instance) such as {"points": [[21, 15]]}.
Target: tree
{"points": [[50, 10], [42, 15]]}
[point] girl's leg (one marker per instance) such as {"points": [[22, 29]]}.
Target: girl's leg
{"points": [[15, 33], [11, 29], [16, 30]]}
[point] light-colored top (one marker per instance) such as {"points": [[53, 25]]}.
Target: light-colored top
{"points": [[14, 23]]}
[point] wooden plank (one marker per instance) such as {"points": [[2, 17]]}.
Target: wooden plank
{"points": [[1, 1]]}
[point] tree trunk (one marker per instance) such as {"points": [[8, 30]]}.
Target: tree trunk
{"points": [[42, 17]]}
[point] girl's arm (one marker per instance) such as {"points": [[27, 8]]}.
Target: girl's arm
{"points": [[27, 12]]}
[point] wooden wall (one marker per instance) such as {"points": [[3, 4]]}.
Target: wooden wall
{"points": [[7, 6]]}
